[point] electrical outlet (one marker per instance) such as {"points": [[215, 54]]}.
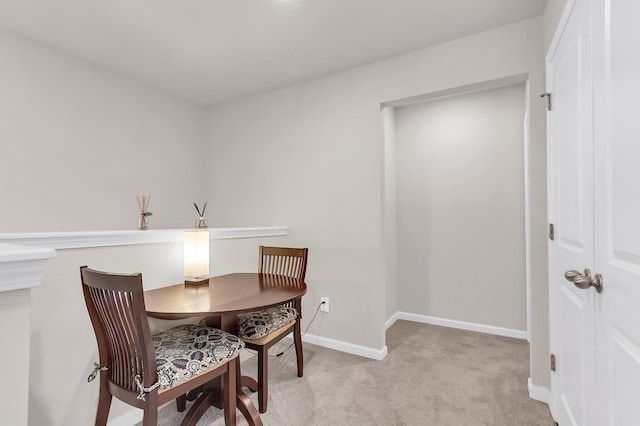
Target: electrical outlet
{"points": [[324, 307]]}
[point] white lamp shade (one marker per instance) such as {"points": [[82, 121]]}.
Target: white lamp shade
{"points": [[196, 253]]}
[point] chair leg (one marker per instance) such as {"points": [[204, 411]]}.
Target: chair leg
{"points": [[263, 378], [230, 385], [104, 403], [181, 403], [150, 416], [297, 338]]}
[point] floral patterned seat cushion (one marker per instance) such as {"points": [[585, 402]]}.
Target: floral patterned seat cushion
{"points": [[186, 350], [255, 325]]}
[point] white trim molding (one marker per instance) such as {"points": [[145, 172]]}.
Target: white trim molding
{"points": [[463, 325], [539, 393], [392, 320], [226, 233], [85, 239], [339, 345], [22, 267]]}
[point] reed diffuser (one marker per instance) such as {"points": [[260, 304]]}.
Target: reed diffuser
{"points": [[201, 222], [143, 203]]}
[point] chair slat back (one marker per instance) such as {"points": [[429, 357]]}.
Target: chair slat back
{"points": [[285, 261], [116, 307], [290, 262]]}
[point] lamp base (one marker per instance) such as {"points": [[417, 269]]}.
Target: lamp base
{"points": [[196, 282]]}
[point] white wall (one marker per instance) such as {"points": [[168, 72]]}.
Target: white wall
{"points": [[77, 144], [552, 13], [461, 236], [15, 325], [311, 156], [288, 158], [389, 212]]}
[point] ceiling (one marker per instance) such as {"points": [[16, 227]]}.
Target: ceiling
{"points": [[211, 51]]}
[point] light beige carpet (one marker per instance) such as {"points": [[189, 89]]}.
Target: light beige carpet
{"points": [[431, 376]]}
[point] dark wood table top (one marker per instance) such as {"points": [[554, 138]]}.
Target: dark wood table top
{"points": [[226, 294]]}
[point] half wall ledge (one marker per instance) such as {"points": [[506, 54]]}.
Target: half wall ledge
{"points": [[22, 266], [84, 239]]}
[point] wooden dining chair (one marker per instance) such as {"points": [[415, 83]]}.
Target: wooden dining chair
{"points": [[145, 370], [260, 330]]}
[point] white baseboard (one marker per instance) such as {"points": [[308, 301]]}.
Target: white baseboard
{"points": [[463, 325], [539, 393], [392, 320], [339, 345]]}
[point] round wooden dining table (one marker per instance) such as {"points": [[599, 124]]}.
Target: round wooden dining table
{"points": [[221, 301]]}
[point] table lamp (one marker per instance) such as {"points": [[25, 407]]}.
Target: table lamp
{"points": [[196, 257]]}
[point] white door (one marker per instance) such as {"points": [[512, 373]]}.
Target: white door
{"points": [[617, 210], [594, 177], [570, 168]]}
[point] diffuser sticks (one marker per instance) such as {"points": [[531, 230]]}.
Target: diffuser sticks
{"points": [[143, 203]]}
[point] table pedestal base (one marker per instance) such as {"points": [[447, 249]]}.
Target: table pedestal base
{"points": [[212, 396], [250, 383]]}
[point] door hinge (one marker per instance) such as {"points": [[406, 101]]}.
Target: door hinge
{"points": [[548, 96], [553, 362], [552, 232]]}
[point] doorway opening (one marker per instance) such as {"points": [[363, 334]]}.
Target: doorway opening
{"points": [[456, 212]]}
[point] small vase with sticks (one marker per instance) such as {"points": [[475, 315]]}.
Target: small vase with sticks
{"points": [[143, 203], [201, 222]]}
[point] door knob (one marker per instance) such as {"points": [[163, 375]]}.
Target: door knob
{"points": [[584, 280], [572, 275]]}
